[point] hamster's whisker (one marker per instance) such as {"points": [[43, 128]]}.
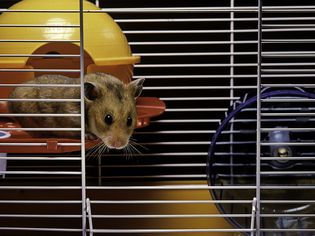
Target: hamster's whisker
{"points": [[133, 148], [102, 149], [128, 151], [135, 143], [94, 150], [105, 147]]}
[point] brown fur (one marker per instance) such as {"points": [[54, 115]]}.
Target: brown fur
{"points": [[106, 95]]}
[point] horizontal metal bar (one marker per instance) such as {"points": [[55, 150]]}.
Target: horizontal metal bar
{"points": [[193, 76], [171, 20], [41, 55], [138, 231], [38, 41], [226, 31], [288, 54], [287, 230], [40, 202], [170, 216], [306, 29], [290, 64], [38, 216], [292, 10], [246, 19], [40, 229], [39, 11], [288, 129], [167, 54], [287, 215], [42, 129], [197, 132], [191, 42], [174, 9], [41, 85], [289, 85], [183, 154], [199, 98], [37, 144], [42, 187], [142, 10], [282, 109], [167, 154], [287, 158], [301, 25], [170, 187], [196, 65], [179, 9], [190, 176], [189, 31], [297, 70], [275, 76], [308, 8], [287, 201], [37, 26], [48, 158], [180, 143], [187, 121], [290, 18], [171, 201], [40, 172], [194, 142], [195, 109], [198, 87], [308, 143], [270, 100], [177, 132], [288, 187], [291, 173], [40, 70], [217, 120], [197, 187], [38, 115], [282, 113], [39, 100], [288, 114], [288, 41]]}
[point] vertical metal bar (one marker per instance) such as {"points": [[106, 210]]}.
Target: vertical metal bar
{"points": [[83, 177], [231, 85], [258, 127], [252, 222], [89, 214]]}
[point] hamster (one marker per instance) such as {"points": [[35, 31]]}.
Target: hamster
{"points": [[110, 107]]}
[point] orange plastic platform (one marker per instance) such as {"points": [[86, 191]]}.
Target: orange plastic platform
{"points": [[21, 142]]}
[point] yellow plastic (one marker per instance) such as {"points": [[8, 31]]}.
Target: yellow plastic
{"points": [[104, 41]]}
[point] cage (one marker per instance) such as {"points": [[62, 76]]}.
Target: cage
{"points": [[231, 155]]}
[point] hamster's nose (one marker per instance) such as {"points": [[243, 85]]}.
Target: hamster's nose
{"points": [[116, 143]]}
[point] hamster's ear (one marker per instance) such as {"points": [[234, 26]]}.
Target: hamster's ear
{"points": [[136, 87], [91, 91]]}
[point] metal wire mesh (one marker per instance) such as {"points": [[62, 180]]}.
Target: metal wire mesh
{"points": [[200, 58]]}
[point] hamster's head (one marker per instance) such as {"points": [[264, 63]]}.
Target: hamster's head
{"points": [[111, 108]]}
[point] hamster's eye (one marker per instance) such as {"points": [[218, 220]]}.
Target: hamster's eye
{"points": [[129, 121], [108, 119]]}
